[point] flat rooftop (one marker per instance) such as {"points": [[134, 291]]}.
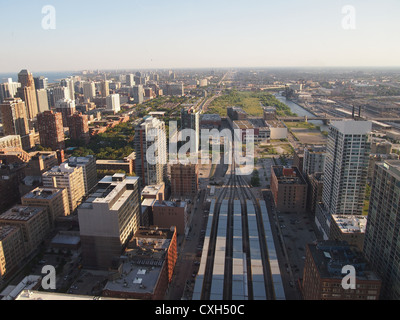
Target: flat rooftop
{"points": [[148, 202], [351, 223], [172, 204], [152, 190], [210, 117], [288, 175], [275, 124], [21, 213], [43, 193], [316, 149], [143, 261], [331, 256], [80, 160], [393, 166], [243, 124], [108, 189], [136, 278]]}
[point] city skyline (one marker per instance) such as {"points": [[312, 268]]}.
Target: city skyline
{"points": [[189, 34]]}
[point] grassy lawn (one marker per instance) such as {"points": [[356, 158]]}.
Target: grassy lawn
{"points": [[251, 102]]}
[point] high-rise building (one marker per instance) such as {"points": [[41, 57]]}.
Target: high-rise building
{"points": [[13, 250], [137, 92], [42, 100], [67, 108], [11, 176], [78, 125], [129, 80], [33, 222], [350, 229], [315, 184], [70, 85], [289, 189], [51, 130], [113, 103], [61, 93], [15, 121], [175, 89], [322, 279], [184, 179], [105, 88], [71, 178], [345, 173], [41, 82], [151, 133], [54, 199], [190, 119], [8, 89], [314, 159], [27, 92], [89, 91], [89, 170], [382, 241], [108, 219]]}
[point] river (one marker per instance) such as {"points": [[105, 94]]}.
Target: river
{"points": [[300, 111]]}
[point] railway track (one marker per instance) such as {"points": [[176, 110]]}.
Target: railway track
{"points": [[236, 260]]}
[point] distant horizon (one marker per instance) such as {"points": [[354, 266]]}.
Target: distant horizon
{"points": [[201, 68]]}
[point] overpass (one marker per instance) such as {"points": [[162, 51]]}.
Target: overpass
{"points": [[328, 119], [306, 119]]}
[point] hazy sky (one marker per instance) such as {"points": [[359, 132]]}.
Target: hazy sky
{"points": [[203, 33]]}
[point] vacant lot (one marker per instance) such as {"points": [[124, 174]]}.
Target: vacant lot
{"points": [[306, 133]]}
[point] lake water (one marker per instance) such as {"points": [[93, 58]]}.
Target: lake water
{"points": [[53, 76]]}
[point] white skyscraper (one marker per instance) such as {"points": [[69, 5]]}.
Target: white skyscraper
{"points": [[67, 108], [151, 134], [69, 83], [129, 81], [61, 93], [345, 173], [42, 100], [8, 89], [89, 90], [113, 103], [70, 178]]}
